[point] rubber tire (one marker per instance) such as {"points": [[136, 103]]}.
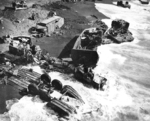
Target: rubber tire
{"points": [[57, 85], [33, 89], [46, 78]]}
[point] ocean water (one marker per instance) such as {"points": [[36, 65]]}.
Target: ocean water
{"points": [[126, 66]]}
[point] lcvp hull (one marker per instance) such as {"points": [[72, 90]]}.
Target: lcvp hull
{"points": [[85, 57]]}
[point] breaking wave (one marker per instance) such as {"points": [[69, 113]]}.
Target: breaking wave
{"points": [[125, 99], [33, 109]]}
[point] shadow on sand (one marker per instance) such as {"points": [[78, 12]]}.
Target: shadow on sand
{"points": [[67, 49]]}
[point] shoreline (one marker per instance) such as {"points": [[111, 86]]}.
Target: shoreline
{"points": [[123, 99], [54, 46]]}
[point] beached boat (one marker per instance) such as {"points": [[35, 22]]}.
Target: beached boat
{"points": [[85, 48]]}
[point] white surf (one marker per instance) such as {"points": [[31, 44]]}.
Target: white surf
{"points": [[126, 66]]}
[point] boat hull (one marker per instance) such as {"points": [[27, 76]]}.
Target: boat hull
{"points": [[85, 57]]}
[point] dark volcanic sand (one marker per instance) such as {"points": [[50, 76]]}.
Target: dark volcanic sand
{"points": [[55, 44]]}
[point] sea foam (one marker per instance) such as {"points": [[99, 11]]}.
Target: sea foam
{"points": [[122, 99]]}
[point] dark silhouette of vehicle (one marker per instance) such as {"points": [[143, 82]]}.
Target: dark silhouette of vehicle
{"points": [[125, 5], [144, 1]]}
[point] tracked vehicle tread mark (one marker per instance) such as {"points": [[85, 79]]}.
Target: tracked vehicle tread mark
{"points": [[70, 91]]}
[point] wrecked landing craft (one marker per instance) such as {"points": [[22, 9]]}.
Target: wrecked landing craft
{"points": [[85, 48]]}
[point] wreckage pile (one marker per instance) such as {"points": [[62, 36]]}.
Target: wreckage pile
{"points": [[27, 53], [118, 33], [51, 91], [83, 54], [101, 25]]}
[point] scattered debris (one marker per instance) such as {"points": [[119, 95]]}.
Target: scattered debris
{"points": [[86, 75], [36, 6], [34, 16], [101, 25], [53, 92]]}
